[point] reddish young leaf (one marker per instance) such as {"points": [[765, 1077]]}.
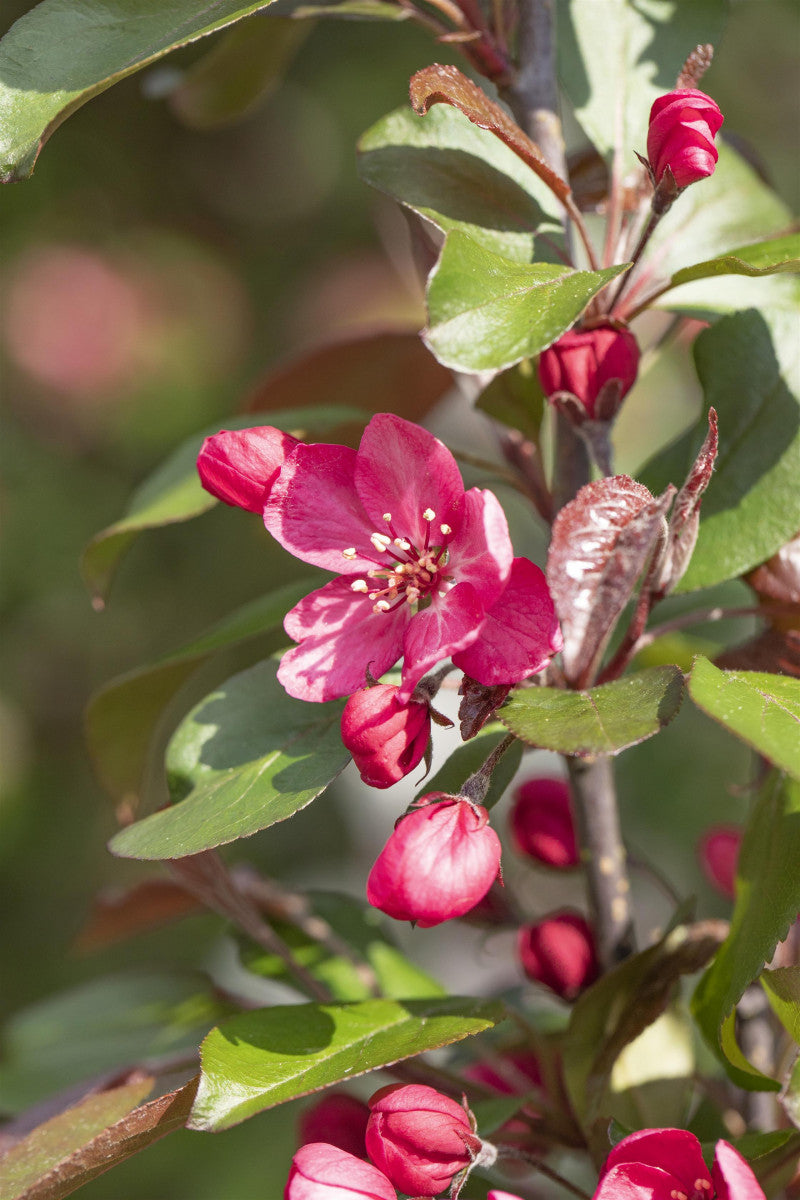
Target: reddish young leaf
{"points": [[478, 705], [601, 544], [685, 520], [775, 650], [446, 85], [117, 916]]}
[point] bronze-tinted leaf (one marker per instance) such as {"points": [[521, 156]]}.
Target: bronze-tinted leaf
{"points": [[685, 520], [116, 916], [478, 705], [601, 544], [774, 650], [446, 85]]}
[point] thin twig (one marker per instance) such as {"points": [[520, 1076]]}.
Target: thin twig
{"points": [[477, 785], [543, 1169]]}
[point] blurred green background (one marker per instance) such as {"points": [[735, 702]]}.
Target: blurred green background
{"points": [[149, 273]]}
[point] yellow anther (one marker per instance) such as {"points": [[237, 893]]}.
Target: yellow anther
{"points": [[402, 543], [702, 1185], [429, 515], [445, 529], [387, 517], [676, 1195], [359, 585], [350, 552], [380, 541], [384, 606]]}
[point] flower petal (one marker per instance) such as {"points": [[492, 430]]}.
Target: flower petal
{"points": [[733, 1176], [675, 1151], [520, 634], [450, 624], [239, 465], [340, 637], [481, 552], [314, 512], [636, 1181], [404, 470]]}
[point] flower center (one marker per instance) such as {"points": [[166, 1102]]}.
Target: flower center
{"points": [[405, 573]]}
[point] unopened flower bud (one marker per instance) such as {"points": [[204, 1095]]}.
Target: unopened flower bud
{"points": [[560, 953], [338, 1119], [419, 1138], [386, 737], [718, 850], [323, 1172], [239, 466], [510, 1074], [586, 362], [542, 825], [681, 136], [441, 859]]}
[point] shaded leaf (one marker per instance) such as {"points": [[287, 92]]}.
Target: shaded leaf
{"points": [[245, 758], [103, 1130], [783, 992], [386, 370], [61, 54], [613, 1012], [117, 915], [654, 1077], [603, 720], [263, 1058], [122, 717], [515, 398], [463, 178], [487, 312], [362, 929], [245, 66], [750, 375], [368, 10], [602, 541], [469, 758], [447, 85], [174, 493], [762, 710], [767, 903], [790, 1097], [644, 47], [759, 258]]}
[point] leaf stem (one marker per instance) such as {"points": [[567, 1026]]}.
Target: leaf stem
{"points": [[476, 787]]}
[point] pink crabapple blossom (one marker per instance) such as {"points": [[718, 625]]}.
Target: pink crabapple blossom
{"points": [[386, 736], [419, 1138], [323, 1172], [681, 134], [429, 571], [667, 1164], [441, 859]]}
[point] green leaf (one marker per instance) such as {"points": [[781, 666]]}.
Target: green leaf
{"points": [[244, 67], [487, 312], [105, 1025], [616, 1010], [468, 758], [515, 398], [759, 258], [461, 177], [749, 367], [644, 44], [122, 717], [760, 709], [603, 720], [790, 1097], [783, 992], [245, 758], [263, 1058], [361, 927], [62, 53], [174, 493], [716, 217], [767, 904]]}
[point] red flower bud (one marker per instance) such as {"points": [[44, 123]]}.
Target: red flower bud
{"points": [[541, 823], [386, 737], [419, 1138], [559, 952], [322, 1172], [440, 861], [338, 1119], [681, 136], [582, 361], [718, 851], [239, 466]]}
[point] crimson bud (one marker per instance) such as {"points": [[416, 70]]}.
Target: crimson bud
{"points": [[338, 1119], [681, 136], [560, 953], [419, 1138], [438, 863], [584, 361], [542, 825], [386, 737], [322, 1172], [718, 850], [240, 466]]}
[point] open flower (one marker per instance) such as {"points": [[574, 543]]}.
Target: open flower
{"points": [[667, 1164], [422, 565]]}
